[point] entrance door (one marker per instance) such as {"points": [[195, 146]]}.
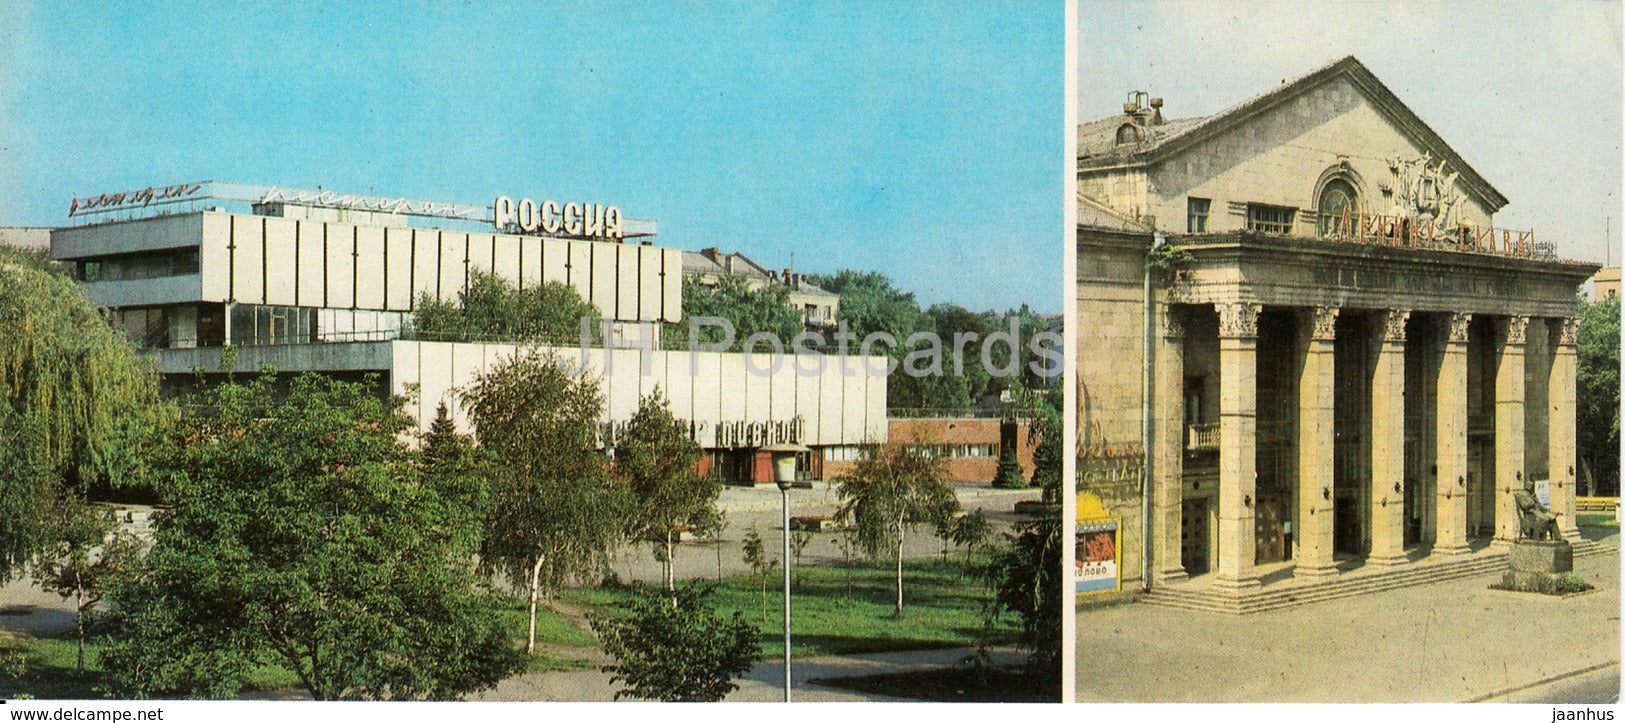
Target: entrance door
{"points": [[1346, 523], [1193, 537], [1269, 527]]}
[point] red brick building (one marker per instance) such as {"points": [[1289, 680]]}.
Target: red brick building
{"points": [[970, 446]]}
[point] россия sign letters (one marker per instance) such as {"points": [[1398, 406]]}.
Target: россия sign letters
{"points": [[580, 220]]}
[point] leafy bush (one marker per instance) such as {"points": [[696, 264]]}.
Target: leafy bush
{"points": [[674, 647]]}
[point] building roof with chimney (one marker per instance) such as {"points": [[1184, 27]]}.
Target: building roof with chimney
{"points": [[713, 262]]}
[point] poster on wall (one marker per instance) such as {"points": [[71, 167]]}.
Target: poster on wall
{"points": [[1096, 567]]}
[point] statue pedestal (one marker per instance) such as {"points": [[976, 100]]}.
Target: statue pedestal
{"points": [[1538, 565]]}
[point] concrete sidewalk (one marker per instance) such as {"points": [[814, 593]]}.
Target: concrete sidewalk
{"points": [[1445, 642], [758, 508]]}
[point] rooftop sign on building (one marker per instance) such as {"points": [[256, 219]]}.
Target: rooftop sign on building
{"points": [[576, 220]]}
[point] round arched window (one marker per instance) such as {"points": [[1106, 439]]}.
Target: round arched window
{"points": [[1338, 200], [1127, 133]]}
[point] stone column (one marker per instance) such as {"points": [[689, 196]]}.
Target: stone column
{"points": [[1388, 441], [1238, 422], [1450, 532], [1168, 450], [1317, 337], [1560, 421], [1509, 433]]}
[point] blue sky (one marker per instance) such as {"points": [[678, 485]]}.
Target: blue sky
{"points": [[1528, 92], [923, 140]]}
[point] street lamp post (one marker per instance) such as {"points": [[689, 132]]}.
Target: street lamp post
{"points": [[784, 475]]}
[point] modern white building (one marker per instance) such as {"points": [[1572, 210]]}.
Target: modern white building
{"points": [[326, 282]]}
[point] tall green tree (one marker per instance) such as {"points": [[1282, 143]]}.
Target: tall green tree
{"points": [[674, 647], [304, 532], [77, 406], [749, 308], [89, 553], [870, 303], [658, 462], [1009, 473], [1045, 431], [951, 320], [1597, 385], [1025, 577], [893, 487], [555, 513], [492, 308]]}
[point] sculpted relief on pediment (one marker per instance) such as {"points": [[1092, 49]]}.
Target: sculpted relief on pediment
{"points": [[1424, 188]]}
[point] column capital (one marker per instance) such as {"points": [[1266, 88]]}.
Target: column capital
{"points": [[1238, 319], [1393, 324], [1322, 322], [1173, 323], [1517, 328], [1458, 327], [1568, 331]]}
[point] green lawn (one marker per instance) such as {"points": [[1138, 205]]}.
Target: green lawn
{"points": [[942, 608], [47, 668], [49, 671]]}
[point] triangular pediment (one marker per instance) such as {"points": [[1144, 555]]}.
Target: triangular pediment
{"points": [[1098, 148]]}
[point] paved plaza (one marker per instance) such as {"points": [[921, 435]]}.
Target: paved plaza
{"points": [[759, 508], [1443, 642]]}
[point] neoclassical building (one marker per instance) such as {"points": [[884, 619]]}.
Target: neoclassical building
{"points": [[1307, 354]]}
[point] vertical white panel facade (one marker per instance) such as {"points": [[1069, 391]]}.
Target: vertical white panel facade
{"points": [[281, 262], [834, 409], [480, 255], [875, 408], [831, 398], [672, 282], [623, 382], [398, 269], [248, 260], [505, 261], [425, 264], [578, 270], [627, 288], [369, 267], [214, 256], [311, 259], [453, 264], [604, 282], [854, 395], [679, 386], [556, 260], [278, 261], [530, 262], [341, 266]]}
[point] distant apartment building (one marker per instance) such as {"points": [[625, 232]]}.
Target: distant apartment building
{"points": [[818, 308], [1605, 283]]}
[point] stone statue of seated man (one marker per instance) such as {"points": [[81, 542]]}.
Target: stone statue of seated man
{"points": [[1535, 521]]}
